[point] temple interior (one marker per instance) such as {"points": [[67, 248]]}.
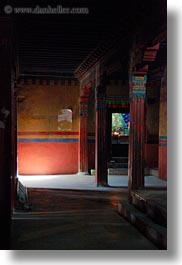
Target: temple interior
{"points": [[83, 125]]}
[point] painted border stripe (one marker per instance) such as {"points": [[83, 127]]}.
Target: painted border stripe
{"points": [[163, 137], [163, 140], [39, 140], [164, 145], [48, 133]]}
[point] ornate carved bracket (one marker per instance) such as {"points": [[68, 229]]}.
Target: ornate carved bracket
{"points": [[141, 56], [85, 91], [150, 53], [84, 108], [101, 97], [138, 86]]}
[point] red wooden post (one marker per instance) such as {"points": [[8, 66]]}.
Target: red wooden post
{"points": [[83, 145], [2, 128], [101, 137], [163, 128], [136, 137], [6, 81], [14, 145]]}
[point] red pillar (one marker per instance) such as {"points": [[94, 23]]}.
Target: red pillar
{"points": [[83, 144], [6, 82], [2, 128], [13, 145], [101, 137], [136, 137], [163, 128]]}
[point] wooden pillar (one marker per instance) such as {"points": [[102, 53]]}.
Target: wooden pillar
{"points": [[13, 144], [163, 127], [6, 82], [101, 137], [83, 143], [136, 137]]}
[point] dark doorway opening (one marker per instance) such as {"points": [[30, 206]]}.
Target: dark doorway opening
{"points": [[118, 133], [120, 128], [118, 143]]}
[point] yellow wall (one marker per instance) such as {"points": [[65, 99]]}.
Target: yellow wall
{"points": [[43, 103], [46, 145]]}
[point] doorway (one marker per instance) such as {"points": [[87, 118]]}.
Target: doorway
{"points": [[118, 144]]}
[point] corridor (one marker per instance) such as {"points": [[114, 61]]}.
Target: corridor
{"points": [[75, 220], [84, 92]]}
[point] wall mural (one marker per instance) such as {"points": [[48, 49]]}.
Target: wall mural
{"points": [[120, 124]]}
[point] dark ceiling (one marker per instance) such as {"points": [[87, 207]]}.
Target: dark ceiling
{"points": [[57, 44]]}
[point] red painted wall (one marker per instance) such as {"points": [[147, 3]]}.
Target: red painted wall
{"points": [[47, 158], [46, 143]]}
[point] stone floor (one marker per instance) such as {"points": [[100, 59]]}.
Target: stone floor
{"points": [[75, 220], [69, 212], [83, 182]]}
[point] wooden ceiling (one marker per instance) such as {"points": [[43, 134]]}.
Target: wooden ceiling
{"points": [[58, 44]]}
